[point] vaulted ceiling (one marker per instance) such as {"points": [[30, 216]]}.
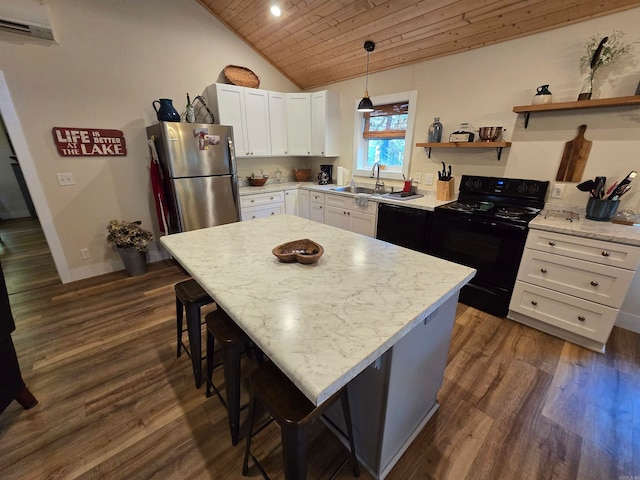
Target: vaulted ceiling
{"points": [[318, 42]]}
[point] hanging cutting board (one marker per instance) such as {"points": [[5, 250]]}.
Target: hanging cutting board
{"points": [[574, 158]]}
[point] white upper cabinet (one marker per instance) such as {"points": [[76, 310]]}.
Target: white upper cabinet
{"points": [[247, 111], [298, 108], [278, 124], [267, 124], [325, 124]]}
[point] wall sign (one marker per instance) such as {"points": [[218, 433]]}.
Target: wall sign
{"points": [[89, 142]]}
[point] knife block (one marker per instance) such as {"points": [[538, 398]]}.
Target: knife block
{"points": [[445, 190]]}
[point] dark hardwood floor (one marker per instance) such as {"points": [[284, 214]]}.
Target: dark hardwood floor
{"points": [[116, 403]]}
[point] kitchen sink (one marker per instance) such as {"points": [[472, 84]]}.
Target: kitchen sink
{"points": [[348, 189]]}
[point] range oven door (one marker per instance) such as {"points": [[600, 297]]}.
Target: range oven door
{"points": [[494, 249]]}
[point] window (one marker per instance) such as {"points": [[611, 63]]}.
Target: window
{"points": [[385, 135]]}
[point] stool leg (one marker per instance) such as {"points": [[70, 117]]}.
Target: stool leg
{"points": [[25, 398], [210, 349], [231, 367], [195, 341], [346, 409], [294, 451], [179, 309], [247, 448]]}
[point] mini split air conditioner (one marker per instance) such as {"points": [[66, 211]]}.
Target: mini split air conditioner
{"points": [[26, 17]]}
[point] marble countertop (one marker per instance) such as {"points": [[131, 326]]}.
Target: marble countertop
{"points": [[322, 324], [427, 202], [582, 227]]}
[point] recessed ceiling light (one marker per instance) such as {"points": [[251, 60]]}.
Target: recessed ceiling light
{"points": [[275, 11]]}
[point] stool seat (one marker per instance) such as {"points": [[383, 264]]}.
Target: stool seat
{"points": [[233, 340], [191, 297], [293, 412]]}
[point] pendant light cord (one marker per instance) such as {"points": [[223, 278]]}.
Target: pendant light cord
{"points": [[366, 78]]}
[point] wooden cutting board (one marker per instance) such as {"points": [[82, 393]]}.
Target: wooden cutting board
{"points": [[574, 158]]}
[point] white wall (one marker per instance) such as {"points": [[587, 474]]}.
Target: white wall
{"points": [[482, 86], [111, 61]]}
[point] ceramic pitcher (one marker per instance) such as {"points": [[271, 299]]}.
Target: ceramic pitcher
{"points": [[166, 112]]}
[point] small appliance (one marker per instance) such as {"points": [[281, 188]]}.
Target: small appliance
{"points": [[326, 174]]}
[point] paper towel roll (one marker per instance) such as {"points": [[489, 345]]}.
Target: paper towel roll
{"points": [[343, 176]]}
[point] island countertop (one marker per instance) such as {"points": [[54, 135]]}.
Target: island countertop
{"points": [[322, 324]]}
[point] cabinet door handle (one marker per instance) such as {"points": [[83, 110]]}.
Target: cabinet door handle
{"points": [[594, 283], [348, 213], [543, 270], [552, 243], [605, 253], [252, 201], [581, 318], [534, 303]]}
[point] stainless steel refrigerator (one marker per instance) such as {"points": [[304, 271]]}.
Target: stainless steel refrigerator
{"points": [[199, 175]]}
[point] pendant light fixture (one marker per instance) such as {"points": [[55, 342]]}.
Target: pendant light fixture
{"points": [[366, 105]]}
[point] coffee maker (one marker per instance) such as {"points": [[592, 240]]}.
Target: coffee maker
{"points": [[326, 174]]}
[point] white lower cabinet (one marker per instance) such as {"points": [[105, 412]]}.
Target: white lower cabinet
{"points": [[304, 198], [291, 203], [261, 205], [316, 207], [343, 212], [572, 287]]}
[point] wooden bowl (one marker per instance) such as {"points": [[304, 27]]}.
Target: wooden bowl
{"points": [[257, 181], [302, 174], [302, 251]]}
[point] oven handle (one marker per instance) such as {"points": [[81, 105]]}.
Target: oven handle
{"points": [[489, 223]]}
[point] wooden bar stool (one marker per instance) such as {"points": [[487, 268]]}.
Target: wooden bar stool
{"points": [[232, 342], [190, 296], [294, 413]]}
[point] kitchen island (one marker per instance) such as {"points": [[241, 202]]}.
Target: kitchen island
{"points": [[366, 309]]}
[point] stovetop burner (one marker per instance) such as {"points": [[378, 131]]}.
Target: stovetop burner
{"points": [[507, 200]]}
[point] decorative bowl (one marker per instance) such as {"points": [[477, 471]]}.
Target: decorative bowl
{"points": [[302, 174], [489, 134], [257, 181], [302, 251]]}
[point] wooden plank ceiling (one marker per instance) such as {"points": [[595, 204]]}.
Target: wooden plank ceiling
{"points": [[318, 42]]}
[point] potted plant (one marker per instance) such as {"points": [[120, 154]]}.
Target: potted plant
{"points": [[131, 241], [600, 52]]}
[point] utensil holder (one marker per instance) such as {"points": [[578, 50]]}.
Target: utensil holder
{"points": [[601, 210], [445, 190]]}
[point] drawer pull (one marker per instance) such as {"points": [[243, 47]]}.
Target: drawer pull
{"points": [[543, 270], [581, 318], [534, 303], [605, 253], [552, 243], [252, 201], [594, 283]]}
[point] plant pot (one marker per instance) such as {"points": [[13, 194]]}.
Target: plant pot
{"points": [[135, 262]]}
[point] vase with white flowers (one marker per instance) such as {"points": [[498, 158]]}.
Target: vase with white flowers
{"points": [[600, 52], [132, 242]]}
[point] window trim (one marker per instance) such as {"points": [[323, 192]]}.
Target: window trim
{"points": [[359, 143]]}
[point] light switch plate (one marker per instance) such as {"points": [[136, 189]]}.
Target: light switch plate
{"points": [[428, 178]]}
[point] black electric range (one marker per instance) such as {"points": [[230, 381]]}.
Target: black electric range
{"points": [[486, 229]]}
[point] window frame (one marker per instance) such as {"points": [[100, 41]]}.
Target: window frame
{"points": [[360, 143]]}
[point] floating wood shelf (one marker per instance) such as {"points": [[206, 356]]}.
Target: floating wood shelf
{"points": [[497, 145], [577, 105]]}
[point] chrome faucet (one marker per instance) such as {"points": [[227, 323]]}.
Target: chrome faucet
{"points": [[379, 184]]}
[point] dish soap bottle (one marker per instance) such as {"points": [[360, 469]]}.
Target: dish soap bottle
{"points": [[190, 115], [435, 131], [352, 185]]}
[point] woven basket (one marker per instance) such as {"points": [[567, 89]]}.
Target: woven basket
{"points": [[302, 175], [241, 76]]}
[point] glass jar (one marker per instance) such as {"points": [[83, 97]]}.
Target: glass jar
{"points": [[434, 134]]}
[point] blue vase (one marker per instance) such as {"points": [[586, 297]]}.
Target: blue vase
{"points": [[166, 112]]}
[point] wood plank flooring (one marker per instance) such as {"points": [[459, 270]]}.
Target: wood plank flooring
{"points": [[116, 403], [26, 258]]}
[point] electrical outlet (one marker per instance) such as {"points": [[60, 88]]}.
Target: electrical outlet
{"points": [[418, 177], [428, 178], [86, 255], [558, 190], [65, 179]]}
